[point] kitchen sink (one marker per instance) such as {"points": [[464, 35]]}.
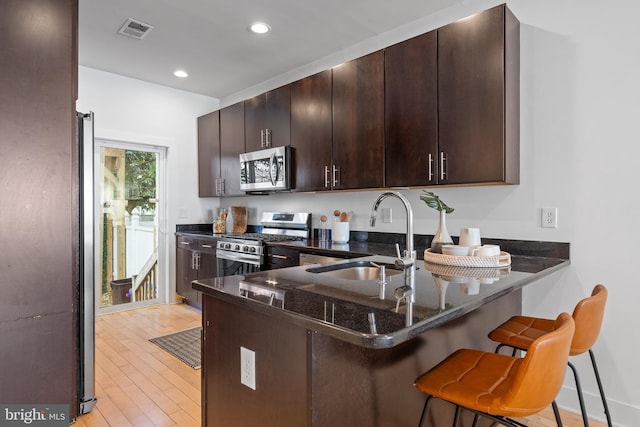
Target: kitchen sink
{"points": [[355, 270]]}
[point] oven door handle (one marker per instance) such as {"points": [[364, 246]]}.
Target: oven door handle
{"points": [[240, 257]]}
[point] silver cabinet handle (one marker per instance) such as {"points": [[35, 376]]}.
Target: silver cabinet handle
{"points": [[185, 243], [279, 256], [267, 141], [261, 138], [443, 159], [207, 246], [430, 176], [326, 177], [219, 186], [335, 175]]}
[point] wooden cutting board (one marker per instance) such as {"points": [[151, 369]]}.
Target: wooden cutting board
{"points": [[239, 216]]}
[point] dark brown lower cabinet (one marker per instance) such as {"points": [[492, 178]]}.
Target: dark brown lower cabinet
{"points": [[306, 378], [195, 259]]}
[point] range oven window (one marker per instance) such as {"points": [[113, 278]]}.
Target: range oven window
{"points": [[232, 263]]}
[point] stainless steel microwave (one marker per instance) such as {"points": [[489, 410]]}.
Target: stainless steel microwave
{"points": [[266, 170]]}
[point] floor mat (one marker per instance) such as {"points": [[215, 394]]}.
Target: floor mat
{"points": [[185, 345]]}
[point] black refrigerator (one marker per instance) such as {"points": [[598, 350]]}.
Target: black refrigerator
{"points": [[86, 288]]}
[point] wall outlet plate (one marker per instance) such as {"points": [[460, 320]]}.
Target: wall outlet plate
{"points": [[248, 367], [549, 218]]}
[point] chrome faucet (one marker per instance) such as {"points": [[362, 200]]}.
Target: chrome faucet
{"points": [[405, 261], [382, 278]]}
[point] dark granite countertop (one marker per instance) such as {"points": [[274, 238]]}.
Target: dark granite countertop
{"points": [[344, 308]]}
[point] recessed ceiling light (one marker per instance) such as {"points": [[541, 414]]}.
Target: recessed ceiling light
{"points": [[259, 28], [180, 73]]}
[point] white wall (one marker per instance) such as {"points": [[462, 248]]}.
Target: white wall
{"points": [[129, 110], [580, 103], [579, 108]]}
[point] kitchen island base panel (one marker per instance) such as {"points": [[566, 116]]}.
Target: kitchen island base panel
{"points": [[305, 378], [281, 374]]}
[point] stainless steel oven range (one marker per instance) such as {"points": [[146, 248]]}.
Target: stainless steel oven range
{"points": [[244, 253]]}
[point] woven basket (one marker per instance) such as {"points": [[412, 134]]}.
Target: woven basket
{"points": [[501, 260], [467, 272]]}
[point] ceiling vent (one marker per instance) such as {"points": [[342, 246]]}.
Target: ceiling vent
{"points": [[135, 29]]}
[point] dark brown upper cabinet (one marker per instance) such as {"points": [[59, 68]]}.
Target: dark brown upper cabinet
{"points": [[442, 108], [220, 142], [209, 155], [411, 112], [358, 123], [267, 119], [311, 131], [479, 99], [231, 146]]}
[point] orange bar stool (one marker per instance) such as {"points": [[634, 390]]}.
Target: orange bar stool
{"points": [[498, 386], [519, 332]]}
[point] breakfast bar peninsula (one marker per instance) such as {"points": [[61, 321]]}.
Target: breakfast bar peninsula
{"points": [[334, 345]]}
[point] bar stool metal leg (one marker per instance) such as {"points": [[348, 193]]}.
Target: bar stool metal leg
{"points": [[424, 409], [456, 416], [556, 413], [583, 409], [604, 399]]}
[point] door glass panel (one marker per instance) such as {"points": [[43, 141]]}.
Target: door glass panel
{"points": [[128, 226]]}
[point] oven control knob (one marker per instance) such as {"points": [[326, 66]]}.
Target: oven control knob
{"points": [[237, 247], [227, 246], [245, 248], [252, 249]]}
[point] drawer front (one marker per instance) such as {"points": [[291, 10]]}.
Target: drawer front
{"points": [[207, 245], [186, 242], [280, 257]]}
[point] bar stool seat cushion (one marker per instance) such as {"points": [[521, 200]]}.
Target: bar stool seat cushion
{"points": [[521, 331]]}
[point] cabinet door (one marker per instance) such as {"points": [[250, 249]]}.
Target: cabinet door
{"points": [[473, 102], [231, 145], [279, 116], [358, 122], [411, 112], [209, 154], [311, 131], [267, 119], [208, 262], [255, 122], [186, 272]]}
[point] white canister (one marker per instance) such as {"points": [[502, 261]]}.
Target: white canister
{"points": [[340, 232]]}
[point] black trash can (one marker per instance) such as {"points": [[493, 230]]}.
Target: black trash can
{"points": [[121, 291]]}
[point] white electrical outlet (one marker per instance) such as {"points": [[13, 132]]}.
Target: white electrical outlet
{"points": [[549, 218], [386, 215], [248, 367]]}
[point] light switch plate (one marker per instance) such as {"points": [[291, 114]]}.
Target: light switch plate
{"points": [[386, 215], [248, 367]]}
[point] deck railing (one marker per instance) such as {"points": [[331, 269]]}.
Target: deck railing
{"points": [[145, 285]]}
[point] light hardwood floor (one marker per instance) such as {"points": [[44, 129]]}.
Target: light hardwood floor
{"points": [[140, 385]]}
